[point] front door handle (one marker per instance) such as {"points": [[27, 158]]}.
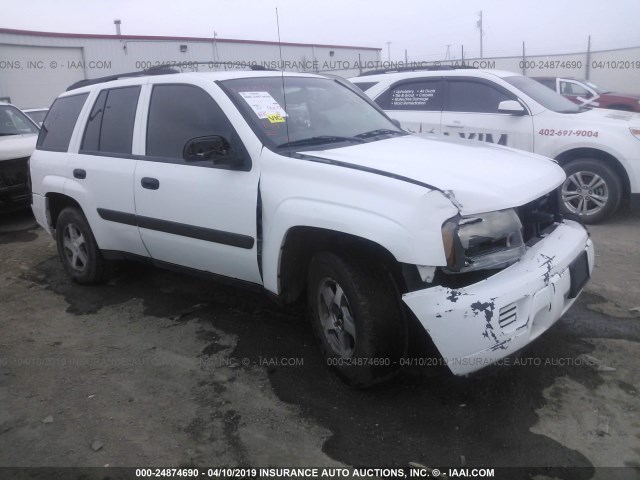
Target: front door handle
{"points": [[79, 173], [455, 124], [150, 183]]}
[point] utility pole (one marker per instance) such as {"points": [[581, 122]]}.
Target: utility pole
{"points": [[462, 54], [588, 57], [479, 25], [406, 57], [215, 46], [447, 56], [389, 51]]}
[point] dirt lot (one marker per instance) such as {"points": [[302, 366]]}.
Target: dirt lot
{"points": [[160, 369]]}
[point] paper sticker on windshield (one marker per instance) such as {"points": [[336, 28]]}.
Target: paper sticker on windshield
{"points": [[264, 106]]}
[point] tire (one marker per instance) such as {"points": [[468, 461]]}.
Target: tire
{"points": [[592, 190], [78, 249], [357, 318]]}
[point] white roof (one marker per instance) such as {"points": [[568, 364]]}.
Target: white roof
{"points": [[434, 73]]}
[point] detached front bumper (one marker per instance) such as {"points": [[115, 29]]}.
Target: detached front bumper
{"points": [[478, 325]]}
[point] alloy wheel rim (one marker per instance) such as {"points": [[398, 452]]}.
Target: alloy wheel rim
{"points": [[585, 193], [75, 248], [336, 318]]}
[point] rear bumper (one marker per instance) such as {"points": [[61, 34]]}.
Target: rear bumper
{"points": [[478, 325]]}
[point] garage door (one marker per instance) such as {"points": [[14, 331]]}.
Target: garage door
{"points": [[32, 77]]}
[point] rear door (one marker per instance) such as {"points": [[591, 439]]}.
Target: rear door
{"points": [[416, 103], [196, 214], [471, 112], [101, 173]]}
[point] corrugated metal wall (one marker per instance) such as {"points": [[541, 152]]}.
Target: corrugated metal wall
{"points": [[34, 69]]}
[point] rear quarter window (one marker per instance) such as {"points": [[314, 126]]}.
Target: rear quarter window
{"points": [[58, 126]]}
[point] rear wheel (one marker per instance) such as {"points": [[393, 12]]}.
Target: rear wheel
{"points": [[78, 249], [592, 190], [357, 318]]}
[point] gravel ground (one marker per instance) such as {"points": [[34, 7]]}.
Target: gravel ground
{"points": [[160, 369]]}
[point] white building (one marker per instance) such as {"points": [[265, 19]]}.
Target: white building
{"points": [[35, 67]]}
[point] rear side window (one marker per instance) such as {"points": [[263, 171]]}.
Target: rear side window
{"points": [[110, 125], [58, 126], [422, 95], [178, 113], [475, 97]]}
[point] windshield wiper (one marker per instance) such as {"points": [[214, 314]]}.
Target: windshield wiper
{"points": [[320, 139], [379, 131]]}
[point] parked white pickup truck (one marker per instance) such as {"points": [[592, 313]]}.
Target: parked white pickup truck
{"points": [[298, 184]]}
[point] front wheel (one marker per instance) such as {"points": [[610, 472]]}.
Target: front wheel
{"points": [[592, 190], [78, 249], [357, 318]]}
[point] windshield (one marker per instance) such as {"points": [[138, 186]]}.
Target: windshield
{"points": [[37, 116], [543, 95], [318, 111], [14, 122]]}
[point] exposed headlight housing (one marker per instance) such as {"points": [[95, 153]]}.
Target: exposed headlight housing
{"points": [[478, 242]]}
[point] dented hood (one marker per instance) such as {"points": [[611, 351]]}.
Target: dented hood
{"points": [[17, 146], [482, 177]]}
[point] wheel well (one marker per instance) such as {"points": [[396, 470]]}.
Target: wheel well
{"points": [[608, 159], [301, 243], [57, 203]]}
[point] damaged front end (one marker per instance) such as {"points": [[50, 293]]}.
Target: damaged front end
{"points": [[510, 275]]}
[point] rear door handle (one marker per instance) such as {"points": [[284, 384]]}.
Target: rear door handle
{"points": [[150, 183], [455, 124], [79, 173]]}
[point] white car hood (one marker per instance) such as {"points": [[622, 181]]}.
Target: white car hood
{"points": [[17, 146], [481, 177], [607, 117]]}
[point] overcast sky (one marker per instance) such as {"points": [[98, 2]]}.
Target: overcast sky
{"points": [[424, 28]]}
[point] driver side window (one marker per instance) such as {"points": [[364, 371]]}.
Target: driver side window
{"points": [[179, 113]]}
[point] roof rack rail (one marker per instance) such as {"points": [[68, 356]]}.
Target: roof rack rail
{"points": [[157, 70], [163, 69], [415, 69]]}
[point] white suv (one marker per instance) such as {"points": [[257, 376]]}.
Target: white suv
{"points": [[297, 184], [598, 149]]}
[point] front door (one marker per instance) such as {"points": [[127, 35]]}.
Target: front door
{"points": [[196, 214], [471, 112]]}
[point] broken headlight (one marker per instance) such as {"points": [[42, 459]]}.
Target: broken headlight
{"points": [[487, 240]]}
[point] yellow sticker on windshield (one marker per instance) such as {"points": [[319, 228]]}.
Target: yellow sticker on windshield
{"points": [[275, 118]]}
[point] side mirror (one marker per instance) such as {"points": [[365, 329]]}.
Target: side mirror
{"points": [[396, 122], [212, 147], [511, 107]]}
